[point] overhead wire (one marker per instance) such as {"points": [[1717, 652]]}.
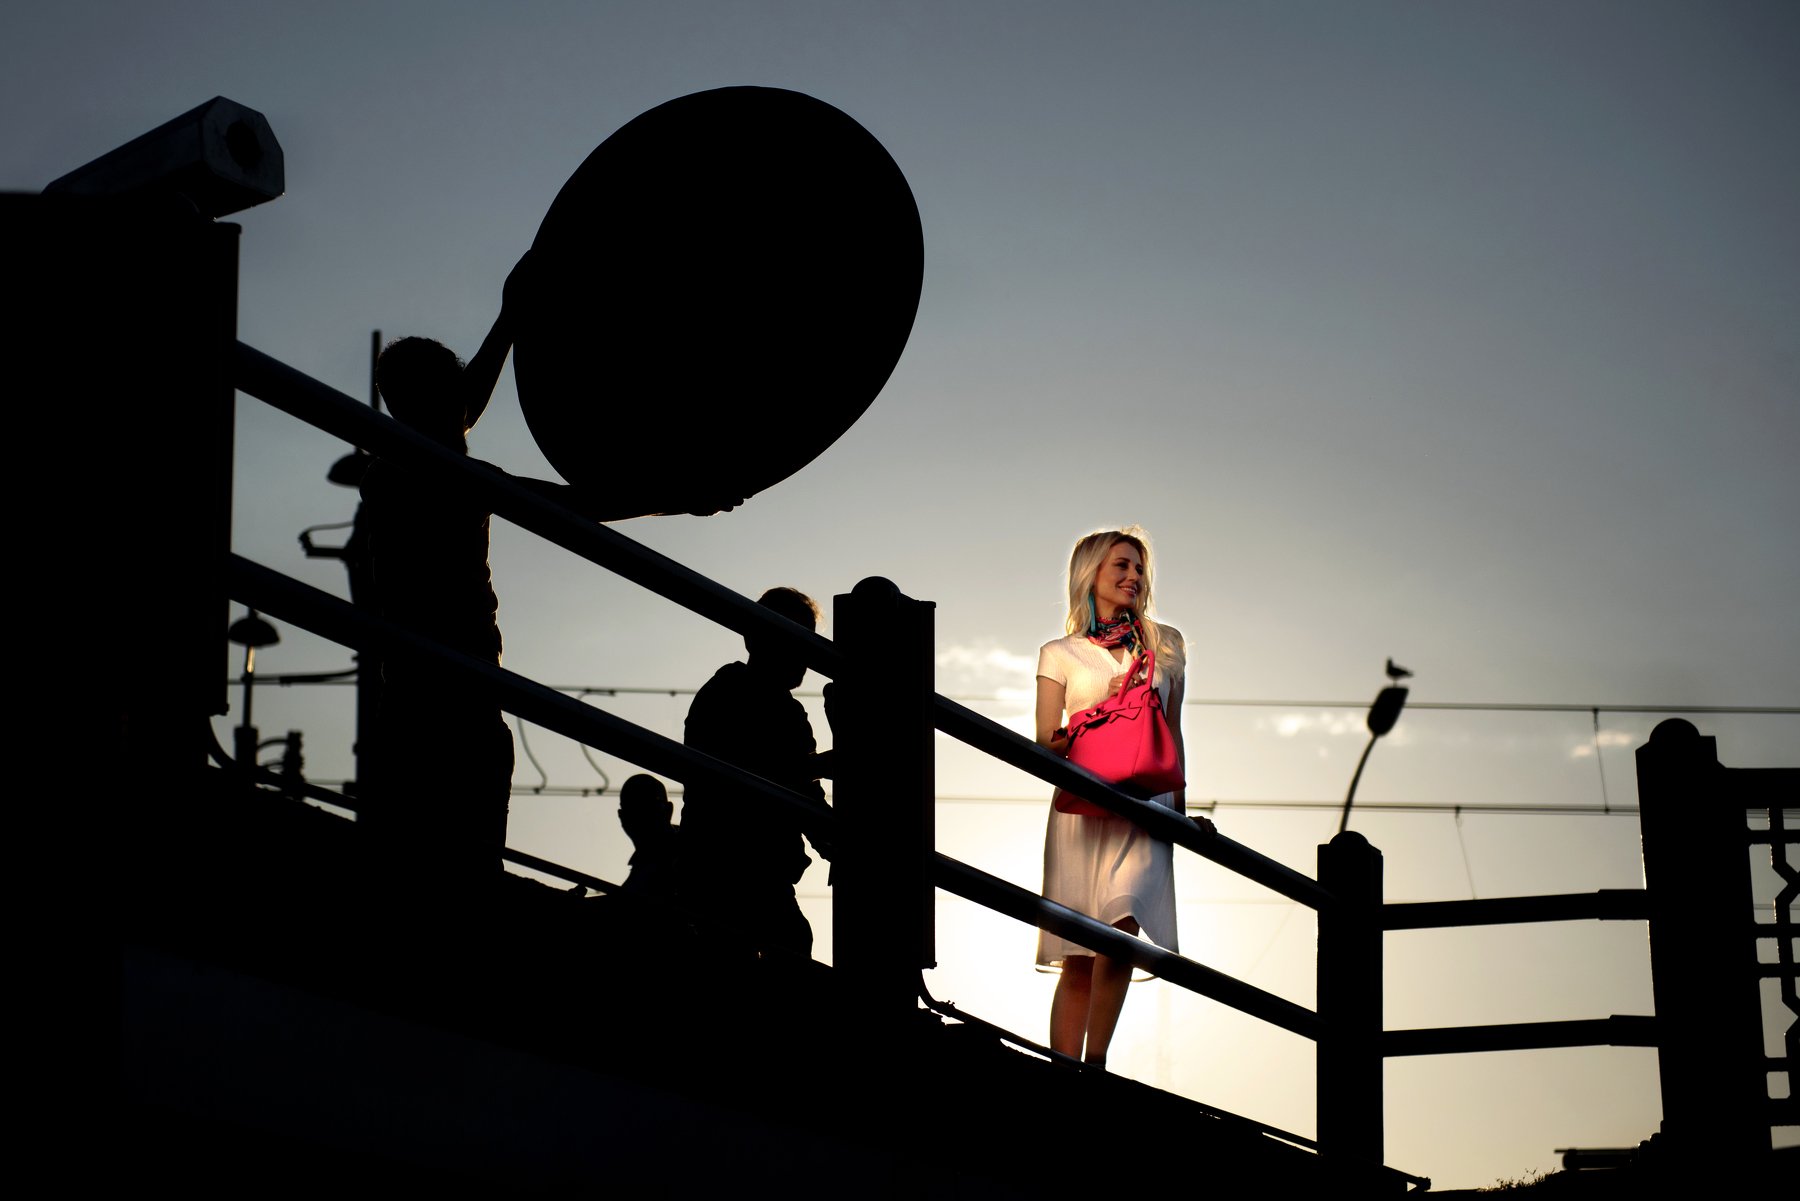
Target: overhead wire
{"points": [[1468, 873], [586, 690], [587, 753], [525, 745], [1606, 809], [1196, 806], [1600, 762]]}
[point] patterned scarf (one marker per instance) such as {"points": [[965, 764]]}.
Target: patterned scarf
{"points": [[1122, 631]]}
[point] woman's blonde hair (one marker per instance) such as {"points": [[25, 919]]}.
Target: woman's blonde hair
{"points": [[1084, 567]]}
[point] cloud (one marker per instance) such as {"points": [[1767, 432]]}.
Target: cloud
{"points": [[1607, 738], [984, 668], [1292, 725]]}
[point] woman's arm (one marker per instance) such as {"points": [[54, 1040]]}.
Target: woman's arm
{"points": [[1050, 697]]}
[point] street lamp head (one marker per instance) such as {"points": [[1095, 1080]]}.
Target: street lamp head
{"points": [[1386, 709], [252, 631], [348, 471]]}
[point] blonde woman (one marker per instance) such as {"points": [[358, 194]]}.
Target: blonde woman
{"points": [[1105, 867]]}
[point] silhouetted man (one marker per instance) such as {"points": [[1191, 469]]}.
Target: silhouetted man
{"points": [[442, 763], [744, 855]]}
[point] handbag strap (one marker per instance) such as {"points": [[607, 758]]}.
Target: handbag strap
{"points": [[1144, 655]]}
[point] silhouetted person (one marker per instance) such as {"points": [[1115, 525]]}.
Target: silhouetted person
{"points": [[743, 855], [442, 768], [442, 763], [646, 814]]}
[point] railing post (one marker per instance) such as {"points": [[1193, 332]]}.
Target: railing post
{"points": [[127, 317], [1702, 966], [1349, 1002], [884, 797]]}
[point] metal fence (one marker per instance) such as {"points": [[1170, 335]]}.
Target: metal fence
{"points": [[886, 866]]}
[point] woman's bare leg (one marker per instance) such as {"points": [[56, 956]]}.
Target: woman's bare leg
{"points": [[1106, 998], [1069, 1008]]}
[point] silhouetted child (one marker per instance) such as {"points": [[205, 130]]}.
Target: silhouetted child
{"points": [[442, 763], [646, 813]]}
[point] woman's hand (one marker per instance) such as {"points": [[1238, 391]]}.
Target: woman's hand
{"points": [[1131, 674]]}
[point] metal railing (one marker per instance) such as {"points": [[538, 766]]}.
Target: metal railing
{"points": [[270, 592], [885, 879]]}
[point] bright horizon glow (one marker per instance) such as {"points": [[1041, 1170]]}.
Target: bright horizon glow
{"points": [[1198, 1048]]}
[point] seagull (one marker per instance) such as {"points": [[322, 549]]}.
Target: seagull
{"points": [[1396, 672]]}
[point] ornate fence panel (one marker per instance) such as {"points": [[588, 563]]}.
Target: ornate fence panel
{"points": [[1700, 821]]}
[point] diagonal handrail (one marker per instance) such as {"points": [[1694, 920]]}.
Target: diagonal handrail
{"points": [[992, 738], [330, 617], [299, 395], [1005, 897]]}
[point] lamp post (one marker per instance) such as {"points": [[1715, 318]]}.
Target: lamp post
{"points": [[1382, 716], [249, 632], [347, 472]]}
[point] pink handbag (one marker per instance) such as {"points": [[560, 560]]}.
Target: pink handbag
{"points": [[1125, 739]]}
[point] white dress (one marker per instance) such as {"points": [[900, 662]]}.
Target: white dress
{"points": [[1106, 867]]}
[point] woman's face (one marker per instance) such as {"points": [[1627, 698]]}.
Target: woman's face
{"points": [[1120, 582]]}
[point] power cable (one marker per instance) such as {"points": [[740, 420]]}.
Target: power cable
{"points": [[1600, 761], [585, 690], [587, 753], [1199, 806], [1485, 808], [543, 776], [1468, 874], [1273, 938]]}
